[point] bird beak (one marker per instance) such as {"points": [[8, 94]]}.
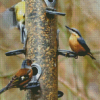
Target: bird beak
{"points": [[68, 27], [70, 30]]}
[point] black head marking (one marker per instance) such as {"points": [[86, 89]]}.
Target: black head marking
{"points": [[74, 30]]}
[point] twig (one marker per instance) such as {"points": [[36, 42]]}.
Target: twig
{"points": [[75, 74], [83, 97]]}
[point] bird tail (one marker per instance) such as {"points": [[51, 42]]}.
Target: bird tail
{"points": [[3, 90], [6, 87], [91, 55]]}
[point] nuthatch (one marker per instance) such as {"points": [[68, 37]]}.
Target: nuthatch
{"points": [[77, 43], [21, 78]]}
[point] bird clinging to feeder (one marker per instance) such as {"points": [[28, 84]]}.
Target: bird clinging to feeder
{"points": [[77, 43], [21, 78]]}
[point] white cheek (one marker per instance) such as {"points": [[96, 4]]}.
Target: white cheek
{"points": [[70, 31], [74, 33]]}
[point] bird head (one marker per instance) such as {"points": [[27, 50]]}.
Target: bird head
{"points": [[73, 31], [26, 63]]}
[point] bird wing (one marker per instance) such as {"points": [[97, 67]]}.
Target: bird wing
{"points": [[17, 80], [83, 43]]}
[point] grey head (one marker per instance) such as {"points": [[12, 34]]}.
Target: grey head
{"points": [[74, 30], [26, 64]]}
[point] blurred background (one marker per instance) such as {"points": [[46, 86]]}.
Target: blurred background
{"points": [[79, 79]]}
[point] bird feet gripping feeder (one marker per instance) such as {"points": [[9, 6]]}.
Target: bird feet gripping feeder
{"points": [[18, 19], [67, 53], [34, 84], [62, 52]]}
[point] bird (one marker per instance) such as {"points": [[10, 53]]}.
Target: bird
{"points": [[21, 78], [19, 14], [15, 17], [78, 44]]}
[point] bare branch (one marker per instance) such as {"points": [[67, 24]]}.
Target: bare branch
{"points": [[83, 97]]}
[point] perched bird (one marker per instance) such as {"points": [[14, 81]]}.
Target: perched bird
{"points": [[77, 43], [19, 14], [15, 17], [21, 78]]}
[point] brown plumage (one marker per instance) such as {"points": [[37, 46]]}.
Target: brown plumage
{"points": [[21, 78], [77, 43]]}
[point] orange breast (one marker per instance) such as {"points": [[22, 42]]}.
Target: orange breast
{"points": [[23, 72], [75, 45]]}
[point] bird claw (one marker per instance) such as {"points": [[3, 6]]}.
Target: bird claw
{"points": [[35, 87], [67, 53], [70, 54], [50, 8]]}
